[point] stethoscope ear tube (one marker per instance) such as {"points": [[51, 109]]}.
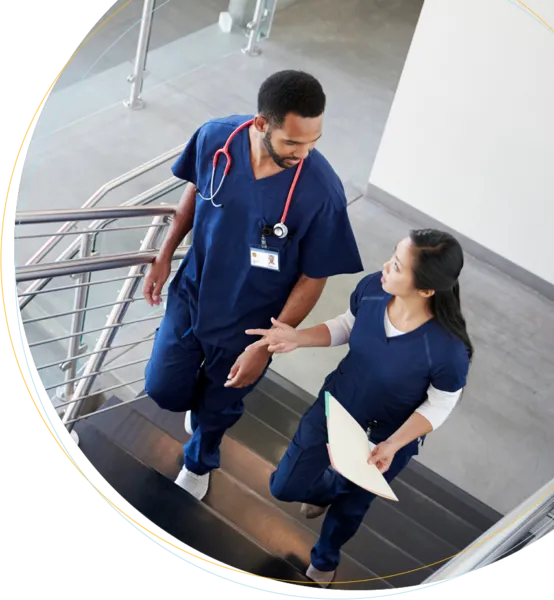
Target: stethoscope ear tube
{"points": [[280, 230]]}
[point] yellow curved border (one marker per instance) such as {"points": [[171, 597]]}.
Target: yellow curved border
{"points": [[102, 24], [536, 15]]}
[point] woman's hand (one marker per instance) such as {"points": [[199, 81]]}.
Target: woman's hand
{"points": [[279, 339], [383, 455]]}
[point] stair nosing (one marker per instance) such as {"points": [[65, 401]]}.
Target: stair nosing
{"points": [[394, 546], [288, 408], [266, 501], [288, 517], [442, 507], [435, 503], [285, 439], [307, 528], [179, 490], [419, 471], [213, 512]]}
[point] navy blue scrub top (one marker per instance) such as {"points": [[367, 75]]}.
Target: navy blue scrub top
{"points": [[386, 379], [225, 293]]}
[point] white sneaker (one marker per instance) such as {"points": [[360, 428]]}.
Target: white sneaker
{"points": [[188, 422], [322, 578], [195, 485]]}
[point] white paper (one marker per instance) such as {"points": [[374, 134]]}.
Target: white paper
{"points": [[349, 451]]}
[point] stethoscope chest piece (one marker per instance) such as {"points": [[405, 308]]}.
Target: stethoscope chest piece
{"points": [[280, 230]]}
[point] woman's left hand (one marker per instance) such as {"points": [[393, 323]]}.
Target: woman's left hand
{"points": [[383, 455]]}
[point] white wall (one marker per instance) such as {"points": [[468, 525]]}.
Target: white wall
{"points": [[470, 137]]}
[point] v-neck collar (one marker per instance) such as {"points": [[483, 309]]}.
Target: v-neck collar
{"points": [[419, 331], [245, 135]]}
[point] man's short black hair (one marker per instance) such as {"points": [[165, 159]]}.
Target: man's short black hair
{"points": [[287, 92]]}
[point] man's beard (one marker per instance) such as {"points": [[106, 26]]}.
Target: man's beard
{"points": [[280, 161]]}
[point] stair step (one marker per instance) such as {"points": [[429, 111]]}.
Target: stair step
{"points": [[433, 516], [283, 422], [450, 496], [371, 546], [417, 475], [457, 533], [272, 412], [366, 547], [175, 511], [251, 514], [289, 394], [437, 530]]}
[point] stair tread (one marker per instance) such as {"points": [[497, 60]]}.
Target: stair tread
{"points": [[177, 513], [436, 531], [272, 411], [281, 535], [417, 475], [457, 533], [446, 493], [366, 547], [380, 542], [477, 515], [289, 394], [439, 520]]}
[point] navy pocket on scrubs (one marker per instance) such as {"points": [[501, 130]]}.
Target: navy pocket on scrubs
{"points": [[272, 284]]}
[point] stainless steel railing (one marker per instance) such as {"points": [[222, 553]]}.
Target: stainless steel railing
{"points": [[76, 391], [528, 522], [67, 228]]}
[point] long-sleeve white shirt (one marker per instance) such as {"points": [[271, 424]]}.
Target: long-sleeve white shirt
{"points": [[438, 405]]}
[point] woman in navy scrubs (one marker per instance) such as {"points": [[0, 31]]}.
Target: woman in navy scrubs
{"points": [[406, 368]]}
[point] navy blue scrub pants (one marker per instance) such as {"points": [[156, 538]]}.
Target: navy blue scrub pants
{"points": [[304, 475], [184, 374]]}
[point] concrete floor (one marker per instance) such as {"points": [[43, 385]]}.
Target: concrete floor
{"points": [[498, 445], [116, 43]]}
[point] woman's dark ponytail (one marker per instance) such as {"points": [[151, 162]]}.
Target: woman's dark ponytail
{"points": [[447, 310], [439, 261]]}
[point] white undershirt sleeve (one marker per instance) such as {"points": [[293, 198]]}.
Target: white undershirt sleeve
{"points": [[438, 405], [340, 328]]}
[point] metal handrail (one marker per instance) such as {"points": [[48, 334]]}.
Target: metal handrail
{"points": [[104, 343], [511, 530], [89, 265], [72, 250], [79, 260], [102, 191], [88, 214]]}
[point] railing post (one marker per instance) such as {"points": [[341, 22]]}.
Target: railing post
{"points": [[254, 29], [65, 392], [260, 25], [78, 320], [136, 79], [107, 336]]}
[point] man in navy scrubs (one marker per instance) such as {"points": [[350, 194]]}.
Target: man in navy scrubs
{"points": [[241, 270]]}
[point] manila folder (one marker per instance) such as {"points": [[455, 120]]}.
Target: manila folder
{"points": [[349, 450]]}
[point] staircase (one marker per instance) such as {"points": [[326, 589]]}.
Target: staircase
{"points": [[138, 449]]}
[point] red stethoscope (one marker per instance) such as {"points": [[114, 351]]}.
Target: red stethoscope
{"points": [[280, 230]]}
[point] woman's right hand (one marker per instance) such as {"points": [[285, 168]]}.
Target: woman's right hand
{"points": [[281, 338]]}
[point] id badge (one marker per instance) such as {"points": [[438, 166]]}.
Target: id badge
{"points": [[264, 258]]}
